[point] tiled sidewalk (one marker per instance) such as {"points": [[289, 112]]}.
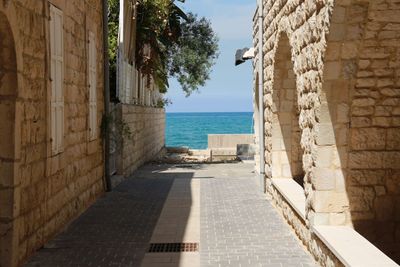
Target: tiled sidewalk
{"points": [[239, 227], [218, 206]]}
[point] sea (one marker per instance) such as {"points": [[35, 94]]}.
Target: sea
{"points": [[191, 129]]}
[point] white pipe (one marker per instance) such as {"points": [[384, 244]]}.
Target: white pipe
{"points": [[261, 90]]}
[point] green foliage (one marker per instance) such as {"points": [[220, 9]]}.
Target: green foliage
{"points": [[162, 103], [113, 20], [158, 29], [117, 128], [173, 44], [169, 43], [193, 56]]}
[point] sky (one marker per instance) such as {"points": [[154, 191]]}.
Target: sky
{"points": [[230, 87]]}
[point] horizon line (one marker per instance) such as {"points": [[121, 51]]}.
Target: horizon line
{"points": [[209, 111]]}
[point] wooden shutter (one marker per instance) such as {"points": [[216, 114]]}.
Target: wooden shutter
{"points": [[92, 87], [57, 79]]}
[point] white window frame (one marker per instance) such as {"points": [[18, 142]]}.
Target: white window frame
{"points": [[56, 80]]}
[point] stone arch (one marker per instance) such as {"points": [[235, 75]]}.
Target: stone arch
{"points": [[8, 142], [331, 198], [286, 134]]}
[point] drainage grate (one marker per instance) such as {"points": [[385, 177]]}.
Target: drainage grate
{"points": [[173, 247]]}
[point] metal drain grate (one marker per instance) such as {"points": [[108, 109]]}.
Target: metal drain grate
{"points": [[173, 247]]}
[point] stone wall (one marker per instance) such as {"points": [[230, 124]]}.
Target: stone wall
{"points": [[373, 182], [40, 193], [331, 93], [229, 140], [147, 125]]}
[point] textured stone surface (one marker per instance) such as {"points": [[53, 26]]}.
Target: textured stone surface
{"points": [[46, 191], [147, 125], [344, 60]]}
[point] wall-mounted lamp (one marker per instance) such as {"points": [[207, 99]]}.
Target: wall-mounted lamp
{"points": [[244, 54]]}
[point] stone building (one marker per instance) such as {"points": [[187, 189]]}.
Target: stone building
{"points": [[331, 92], [139, 102], [51, 106]]}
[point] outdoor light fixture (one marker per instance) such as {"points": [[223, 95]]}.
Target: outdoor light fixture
{"points": [[244, 54]]}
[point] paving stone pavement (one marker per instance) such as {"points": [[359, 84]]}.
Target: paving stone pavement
{"points": [[115, 231], [238, 226]]}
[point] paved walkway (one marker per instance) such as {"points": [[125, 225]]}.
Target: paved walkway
{"points": [[218, 206]]}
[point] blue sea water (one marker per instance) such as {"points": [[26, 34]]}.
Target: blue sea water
{"points": [[191, 129]]}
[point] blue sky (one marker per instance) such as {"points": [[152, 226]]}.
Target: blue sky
{"points": [[230, 87]]}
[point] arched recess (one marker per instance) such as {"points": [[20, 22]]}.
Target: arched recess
{"points": [[364, 133], [332, 200], [286, 134], [8, 153]]}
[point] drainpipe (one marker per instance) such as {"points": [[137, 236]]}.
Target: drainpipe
{"points": [[106, 97], [261, 91]]}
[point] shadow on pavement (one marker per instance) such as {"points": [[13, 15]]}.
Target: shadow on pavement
{"points": [[117, 229]]}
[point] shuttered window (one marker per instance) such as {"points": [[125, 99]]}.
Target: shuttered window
{"points": [[57, 79], [92, 87]]}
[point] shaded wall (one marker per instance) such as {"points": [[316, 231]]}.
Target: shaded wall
{"points": [[8, 152], [47, 191], [147, 125]]}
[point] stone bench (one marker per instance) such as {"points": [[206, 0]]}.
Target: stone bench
{"points": [[218, 154], [293, 193], [351, 248]]}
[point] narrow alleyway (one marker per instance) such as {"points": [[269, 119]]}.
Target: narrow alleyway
{"points": [[218, 208]]}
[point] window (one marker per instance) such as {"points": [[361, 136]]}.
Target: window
{"points": [[57, 77], [92, 87]]}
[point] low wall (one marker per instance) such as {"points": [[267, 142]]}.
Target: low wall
{"points": [[229, 140], [316, 247], [147, 125]]}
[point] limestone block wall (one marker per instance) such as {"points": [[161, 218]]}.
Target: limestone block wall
{"points": [[40, 192], [331, 81], [147, 125], [374, 146]]}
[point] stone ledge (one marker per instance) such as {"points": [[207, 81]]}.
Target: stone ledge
{"points": [[351, 248], [293, 193]]}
